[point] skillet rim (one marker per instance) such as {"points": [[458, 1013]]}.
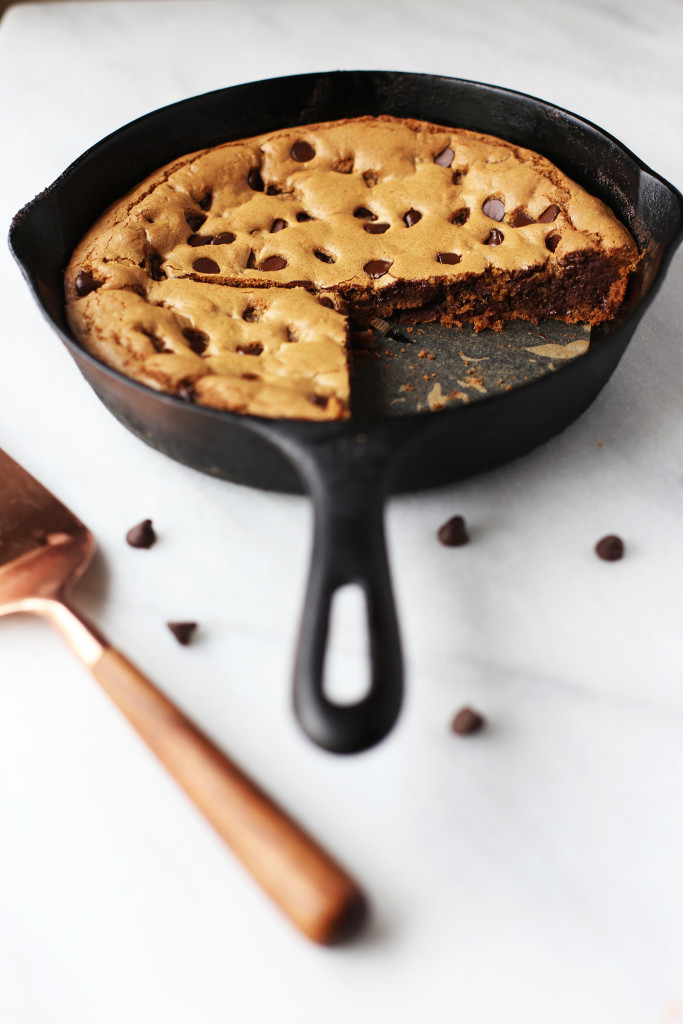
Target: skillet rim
{"points": [[609, 331]]}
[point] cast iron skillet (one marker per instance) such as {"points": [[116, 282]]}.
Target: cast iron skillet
{"points": [[348, 468]]}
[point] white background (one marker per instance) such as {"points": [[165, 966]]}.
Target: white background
{"points": [[531, 873]]}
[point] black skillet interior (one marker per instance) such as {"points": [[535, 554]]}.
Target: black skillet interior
{"points": [[491, 408]]}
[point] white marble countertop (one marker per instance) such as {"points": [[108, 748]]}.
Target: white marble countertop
{"points": [[531, 873]]}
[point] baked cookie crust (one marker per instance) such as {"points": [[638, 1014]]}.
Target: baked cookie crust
{"points": [[228, 275]]}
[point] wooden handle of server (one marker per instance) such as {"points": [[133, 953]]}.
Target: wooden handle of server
{"points": [[312, 890]]}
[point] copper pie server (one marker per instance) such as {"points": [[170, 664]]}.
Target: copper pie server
{"points": [[44, 549]]}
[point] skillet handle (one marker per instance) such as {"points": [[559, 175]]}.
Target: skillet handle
{"points": [[347, 479]]}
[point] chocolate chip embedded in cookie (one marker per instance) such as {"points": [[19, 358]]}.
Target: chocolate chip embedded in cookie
{"points": [[85, 283], [549, 215], [444, 158], [302, 152], [450, 258], [377, 268], [223, 238], [522, 219], [494, 208]]}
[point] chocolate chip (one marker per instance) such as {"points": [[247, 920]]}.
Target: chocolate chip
{"points": [[277, 225], [197, 340], [448, 257], [495, 237], [377, 268], [251, 261], [154, 261], [186, 392], [205, 202], [273, 263], [376, 229], [494, 208], [158, 343], [251, 315], [458, 176], [142, 535], [206, 266], [325, 301], [521, 219], [302, 152], [200, 240], [549, 214], [371, 178], [364, 214], [445, 157], [610, 548], [453, 533], [273, 190], [552, 242], [303, 217], [461, 217], [85, 283], [254, 180], [223, 238], [182, 631], [466, 722], [250, 376], [320, 400], [195, 220], [411, 217], [324, 257], [252, 348], [343, 166]]}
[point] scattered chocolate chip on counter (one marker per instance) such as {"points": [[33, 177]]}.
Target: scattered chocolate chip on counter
{"points": [[467, 722], [453, 533], [182, 631], [142, 535], [610, 548]]}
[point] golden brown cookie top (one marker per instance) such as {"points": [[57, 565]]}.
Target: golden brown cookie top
{"points": [[361, 202], [272, 352], [161, 285]]}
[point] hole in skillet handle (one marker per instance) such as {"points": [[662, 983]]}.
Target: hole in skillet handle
{"points": [[346, 679], [348, 728]]}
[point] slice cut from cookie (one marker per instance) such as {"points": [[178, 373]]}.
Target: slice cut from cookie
{"points": [[270, 352], [376, 216]]}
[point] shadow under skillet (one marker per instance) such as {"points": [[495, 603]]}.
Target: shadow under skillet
{"points": [[426, 367]]}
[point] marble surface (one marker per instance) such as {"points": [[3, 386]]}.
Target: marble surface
{"points": [[532, 873]]}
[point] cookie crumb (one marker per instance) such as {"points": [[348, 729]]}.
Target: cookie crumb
{"points": [[141, 535], [610, 548], [467, 721], [182, 631]]}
